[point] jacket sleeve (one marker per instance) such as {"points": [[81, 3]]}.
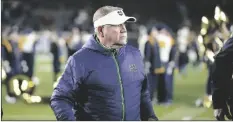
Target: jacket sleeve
{"points": [[147, 111], [64, 95], [146, 108], [147, 51], [222, 74], [153, 53], [157, 64], [173, 53]]}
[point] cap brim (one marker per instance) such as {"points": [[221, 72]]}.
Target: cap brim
{"points": [[123, 20], [131, 19], [116, 20]]}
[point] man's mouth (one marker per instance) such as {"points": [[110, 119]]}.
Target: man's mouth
{"points": [[118, 44]]}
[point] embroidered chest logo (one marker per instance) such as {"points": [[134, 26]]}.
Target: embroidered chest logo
{"points": [[133, 68]]}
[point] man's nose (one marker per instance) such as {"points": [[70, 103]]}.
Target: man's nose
{"points": [[123, 28]]}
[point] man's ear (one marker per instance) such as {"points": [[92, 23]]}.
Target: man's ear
{"points": [[100, 31]]}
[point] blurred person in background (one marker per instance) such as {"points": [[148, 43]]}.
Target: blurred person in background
{"points": [[222, 72], [168, 57], [10, 59], [133, 35], [152, 61], [214, 33], [55, 49], [111, 86], [193, 49], [183, 36], [142, 39], [222, 76], [82, 19], [86, 36], [17, 81], [74, 42], [210, 49], [27, 46]]}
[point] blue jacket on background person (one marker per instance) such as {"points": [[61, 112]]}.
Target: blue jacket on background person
{"points": [[152, 55], [104, 84]]}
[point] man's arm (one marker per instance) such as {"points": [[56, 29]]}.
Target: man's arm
{"points": [[158, 68], [147, 51], [146, 108], [222, 74], [64, 94], [147, 112]]}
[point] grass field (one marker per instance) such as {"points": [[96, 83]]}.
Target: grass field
{"points": [[186, 91]]}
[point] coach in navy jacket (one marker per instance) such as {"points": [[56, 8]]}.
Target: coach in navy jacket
{"points": [[104, 80]]}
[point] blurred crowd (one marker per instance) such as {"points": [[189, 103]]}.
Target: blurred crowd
{"points": [[63, 32]]}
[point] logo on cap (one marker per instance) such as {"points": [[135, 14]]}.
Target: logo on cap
{"points": [[120, 13]]}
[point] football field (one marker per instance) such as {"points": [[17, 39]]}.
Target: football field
{"points": [[186, 90]]}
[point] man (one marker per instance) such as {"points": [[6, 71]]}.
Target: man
{"points": [[75, 42], [27, 45], [167, 50], [133, 35], [105, 79], [223, 82], [153, 62], [55, 50], [9, 63], [162, 63], [183, 36]]}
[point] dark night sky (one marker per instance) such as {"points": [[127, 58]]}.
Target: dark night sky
{"points": [[162, 10]]}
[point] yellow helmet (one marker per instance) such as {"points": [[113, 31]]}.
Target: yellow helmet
{"points": [[20, 84], [220, 15], [204, 25]]}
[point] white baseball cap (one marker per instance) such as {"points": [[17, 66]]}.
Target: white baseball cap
{"points": [[114, 18]]}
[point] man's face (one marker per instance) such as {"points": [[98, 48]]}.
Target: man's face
{"points": [[154, 32], [14, 36], [76, 31], [116, 34]]}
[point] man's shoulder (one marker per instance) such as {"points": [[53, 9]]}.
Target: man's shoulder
{"points": [[227, 50], [80, 54], [132, 49], [228, 44]]}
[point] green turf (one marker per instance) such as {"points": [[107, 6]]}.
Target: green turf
{"points": [[187, 90]]}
